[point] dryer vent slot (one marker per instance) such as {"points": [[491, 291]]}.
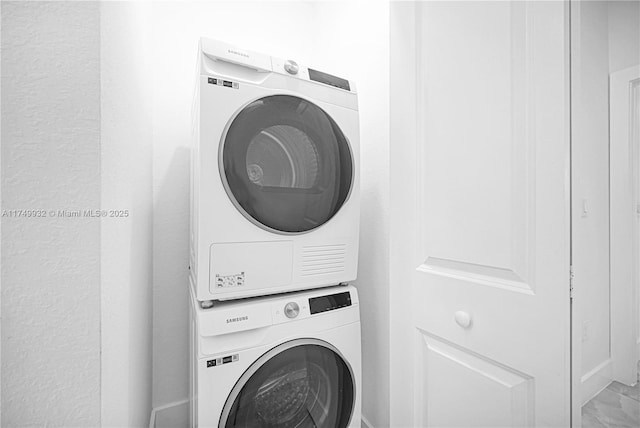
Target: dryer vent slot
{"points": [[323, 259]]}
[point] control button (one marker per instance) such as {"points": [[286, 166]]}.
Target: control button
{"points": [[291, 66], [291, 310]]}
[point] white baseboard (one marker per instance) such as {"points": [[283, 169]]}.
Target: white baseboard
{"points": [[596, 380], [366, 423], [172, 415]]}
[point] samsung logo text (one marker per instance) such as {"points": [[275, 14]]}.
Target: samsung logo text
{"points": [[237, 319], [238, 53]]}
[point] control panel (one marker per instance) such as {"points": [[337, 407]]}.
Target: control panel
{"points": [[328, 79], [329, 302], [292, 68], [236, 280], [223, 360], [221, 82], [218, 318], [305, 307]]}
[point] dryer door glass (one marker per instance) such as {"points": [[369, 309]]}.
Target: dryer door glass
{"points": [[286, 164], [298, 384]]}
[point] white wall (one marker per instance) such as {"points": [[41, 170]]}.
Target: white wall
{"points": [[358, 45], [590, 152], [0, 227], [624, 34], [605, 38], [348, 40], [403, 147], [126, 245], [176, 28], [83, 131], [77, 296], [50, 266]]}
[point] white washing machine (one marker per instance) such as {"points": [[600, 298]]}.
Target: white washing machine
{"points": [[275, 176], [290, 360]]}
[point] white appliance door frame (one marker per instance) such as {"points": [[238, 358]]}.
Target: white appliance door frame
{"points": [[300, 141], [277, 352]]}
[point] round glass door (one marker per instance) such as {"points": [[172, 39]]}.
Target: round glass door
{"points": [[286, 164], [299, 384]]}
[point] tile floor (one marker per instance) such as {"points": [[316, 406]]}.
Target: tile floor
{"points": [[617, 406]]}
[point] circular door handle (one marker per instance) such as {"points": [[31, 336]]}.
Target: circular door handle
{"points": [[463, 319], [291, 310]]}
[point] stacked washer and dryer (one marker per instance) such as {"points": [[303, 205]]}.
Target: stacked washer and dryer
{"points": [[274, 325]]}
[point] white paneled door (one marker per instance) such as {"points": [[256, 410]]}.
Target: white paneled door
{"points": [[491, 294]]}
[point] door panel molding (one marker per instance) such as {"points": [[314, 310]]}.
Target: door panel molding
{"points": [[484, 225], [490, 276], [507, 398]]}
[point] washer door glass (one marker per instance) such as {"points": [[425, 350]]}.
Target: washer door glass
{"points": [[301, 386], [286, 164]]}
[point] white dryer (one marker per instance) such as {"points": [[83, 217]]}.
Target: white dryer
{"points": [[275, 176], [290, 360]]}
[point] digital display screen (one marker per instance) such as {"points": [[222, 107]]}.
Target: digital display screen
{"points": [[328, 79], [329, 303]]}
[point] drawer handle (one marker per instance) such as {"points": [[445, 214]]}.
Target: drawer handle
{"points": [[463, 319]]}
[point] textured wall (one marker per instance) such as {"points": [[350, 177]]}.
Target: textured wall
{"points": [[50, 266]]}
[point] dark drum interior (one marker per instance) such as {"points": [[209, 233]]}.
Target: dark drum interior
{"points": [[286, 164], [305, 386]]}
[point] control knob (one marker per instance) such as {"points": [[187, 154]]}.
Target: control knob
{"points": [[291, 66], [291, 310]]}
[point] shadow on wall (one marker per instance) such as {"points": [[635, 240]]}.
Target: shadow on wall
{"points": [[140, 296], [170, 281]]}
